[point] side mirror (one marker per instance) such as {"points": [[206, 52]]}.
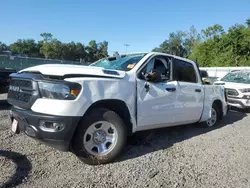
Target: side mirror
{"points": [[153, 76], [206, 81]]}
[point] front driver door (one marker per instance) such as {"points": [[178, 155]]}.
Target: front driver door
{"points": [[156, 101]]}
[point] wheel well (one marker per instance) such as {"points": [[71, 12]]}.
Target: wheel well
{"points": [[117, 106], [218, 103]]}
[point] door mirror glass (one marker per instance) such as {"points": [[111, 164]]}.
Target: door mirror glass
{"points": [[205, 81], [153, 76]]}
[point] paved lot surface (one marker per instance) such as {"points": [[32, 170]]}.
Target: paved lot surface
{"points": [[186, 156]]}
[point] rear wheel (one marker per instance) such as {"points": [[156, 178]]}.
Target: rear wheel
{"points": [[100, 138]]}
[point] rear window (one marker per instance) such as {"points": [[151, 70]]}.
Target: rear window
{"points": [[184, 71]]}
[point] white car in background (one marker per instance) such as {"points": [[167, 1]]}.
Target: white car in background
{"points": [[237, 87]]}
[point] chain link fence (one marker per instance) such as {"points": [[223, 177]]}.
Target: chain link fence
{"points": [[19, 63]]}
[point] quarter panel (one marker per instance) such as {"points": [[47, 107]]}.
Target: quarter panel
{"points": [[212, 93]]}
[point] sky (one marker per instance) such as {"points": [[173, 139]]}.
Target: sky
{"points": [[141, 24]]}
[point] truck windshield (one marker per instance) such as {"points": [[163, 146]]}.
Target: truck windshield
{"points": [[237, 77], [124, 63]]}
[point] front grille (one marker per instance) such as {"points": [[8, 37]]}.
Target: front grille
{"points": [[22, 92], [232, 92], [23, 97], [21, 83], [233, 102]]}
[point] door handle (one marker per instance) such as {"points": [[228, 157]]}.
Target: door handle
{"points": [[197, 90], [171, 89]]}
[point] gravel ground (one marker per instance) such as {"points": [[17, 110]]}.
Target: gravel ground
{"points": [[185, 156]]}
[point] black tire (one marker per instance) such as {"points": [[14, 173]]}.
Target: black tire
{"points": [[218, 114], [99, 114]]}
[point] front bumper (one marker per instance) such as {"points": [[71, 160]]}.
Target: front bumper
{"points": [[238, 102], [29, 123]]}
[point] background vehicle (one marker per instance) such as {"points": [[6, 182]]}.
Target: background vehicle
{"points": [[237, 87], [92, 109], [220, 72], [4, 79]]}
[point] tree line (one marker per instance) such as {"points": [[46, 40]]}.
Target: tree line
{"points": [[212, 46], [52, 48]]}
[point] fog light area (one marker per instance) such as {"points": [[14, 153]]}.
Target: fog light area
{"points": [[51, 126], [29, 131]]}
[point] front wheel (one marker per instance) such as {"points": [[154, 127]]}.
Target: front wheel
{"points": [[100, 138]]}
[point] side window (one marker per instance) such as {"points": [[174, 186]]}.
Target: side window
{"points": [[162, 65], [184, 71], [150, 65]]}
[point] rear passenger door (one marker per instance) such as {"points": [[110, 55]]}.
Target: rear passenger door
{"points": [[191, 94]]}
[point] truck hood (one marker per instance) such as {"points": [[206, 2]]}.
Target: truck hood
{"points": [[74, 70], [232, 85]]}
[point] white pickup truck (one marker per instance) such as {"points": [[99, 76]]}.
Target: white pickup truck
{"points": [[91, 110], [237, 88]]}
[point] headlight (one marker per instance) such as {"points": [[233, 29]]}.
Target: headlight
{"points": [[59, 90], [245, 90], [246, 97]]}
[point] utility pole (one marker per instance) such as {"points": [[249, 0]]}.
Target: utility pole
{"points": [[126, 47]]}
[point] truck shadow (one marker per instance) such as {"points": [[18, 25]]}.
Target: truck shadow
{"points": [[4, 105], [145, 142], [23, 167]]}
